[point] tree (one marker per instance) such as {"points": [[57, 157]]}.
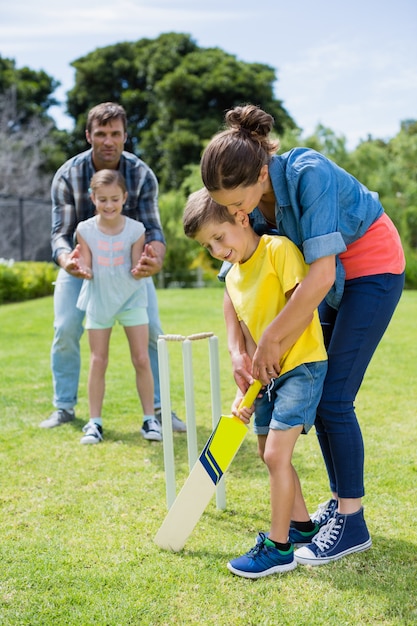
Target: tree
{"points": [[29, 153], [31, 147], [175, 95], [28, 91]]}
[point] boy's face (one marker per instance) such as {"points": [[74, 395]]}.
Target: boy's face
{"points": [[226, 241]]}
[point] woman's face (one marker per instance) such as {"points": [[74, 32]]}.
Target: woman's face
{"points": [[244, 198], [240, 198]]}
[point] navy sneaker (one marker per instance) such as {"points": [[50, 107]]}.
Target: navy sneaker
{"points": [[262, 560], [151, 430], [325, 511], [299, 538], [342, 535]]}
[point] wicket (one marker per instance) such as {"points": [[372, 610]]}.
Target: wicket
{"points": [[164, 377]]}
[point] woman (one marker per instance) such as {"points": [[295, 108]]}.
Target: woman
{"points": [[356, 278]]}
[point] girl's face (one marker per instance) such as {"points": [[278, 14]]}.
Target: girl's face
{"points": [[109, 200]]}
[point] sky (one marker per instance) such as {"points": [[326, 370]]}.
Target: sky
{"points": [[351, 66]]}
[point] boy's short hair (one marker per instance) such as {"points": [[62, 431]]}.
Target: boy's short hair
{"points": [[202, 209], [104, 113]]}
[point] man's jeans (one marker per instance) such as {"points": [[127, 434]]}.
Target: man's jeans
{"points": [[68, 327]]}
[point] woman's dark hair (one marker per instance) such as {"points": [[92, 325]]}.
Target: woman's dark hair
{"points": [[236, 155]]}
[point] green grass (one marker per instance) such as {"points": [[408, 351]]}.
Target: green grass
{"points": [[77, 522]]}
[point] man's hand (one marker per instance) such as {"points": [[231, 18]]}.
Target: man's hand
{"points": [[73, 263]]}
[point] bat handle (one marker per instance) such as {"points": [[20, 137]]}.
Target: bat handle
{"points": [[250, 396]]}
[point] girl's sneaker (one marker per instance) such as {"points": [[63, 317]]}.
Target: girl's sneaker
{"points": [[93, 433], [262, 560], [152, 430]]}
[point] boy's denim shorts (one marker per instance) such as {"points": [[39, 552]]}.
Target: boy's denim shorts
{"points": [[128, 317], [291, 399]]}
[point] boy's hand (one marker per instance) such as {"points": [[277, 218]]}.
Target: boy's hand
{"points": [[244, 413], [242, 371]]}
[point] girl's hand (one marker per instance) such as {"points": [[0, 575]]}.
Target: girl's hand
{"points": [[137, 272], [74, 264]]}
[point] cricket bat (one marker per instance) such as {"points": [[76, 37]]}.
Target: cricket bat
{"points": [[198, 489]]}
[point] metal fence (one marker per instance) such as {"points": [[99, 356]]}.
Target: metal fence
{"points": [[25, 232], [25, 235]]}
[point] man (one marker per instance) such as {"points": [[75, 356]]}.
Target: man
{"points": [[106, 132]]}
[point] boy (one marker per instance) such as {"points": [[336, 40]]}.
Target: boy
{"points": [[266, 270]]}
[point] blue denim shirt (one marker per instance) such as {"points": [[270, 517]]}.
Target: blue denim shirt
{"points": [[320, 207]]}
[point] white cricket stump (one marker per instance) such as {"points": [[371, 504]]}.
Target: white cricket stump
{"points": [[165, 386]]}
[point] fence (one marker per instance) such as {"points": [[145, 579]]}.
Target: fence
{"points": [[25, 235], [25, 232]]}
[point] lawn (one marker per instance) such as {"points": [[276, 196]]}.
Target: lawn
{"points": [[77, 522]]}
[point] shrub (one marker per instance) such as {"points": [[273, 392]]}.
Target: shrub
{"points": [[410, 268], [25, 280]]}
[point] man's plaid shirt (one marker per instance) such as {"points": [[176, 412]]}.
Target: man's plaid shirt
{"points": [[71, 201]]}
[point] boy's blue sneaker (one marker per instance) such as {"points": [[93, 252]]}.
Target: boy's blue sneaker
{"points": [[299, 538], [262, 560], [325, 511], [342, 535]]}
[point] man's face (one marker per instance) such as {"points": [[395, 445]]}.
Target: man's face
{"points": [[107, 143]]}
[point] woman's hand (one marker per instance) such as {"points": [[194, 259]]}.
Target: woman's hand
{"points": [[266, 360]]}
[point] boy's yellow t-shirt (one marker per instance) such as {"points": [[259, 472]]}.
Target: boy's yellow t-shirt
{"points": [[257, 289]]}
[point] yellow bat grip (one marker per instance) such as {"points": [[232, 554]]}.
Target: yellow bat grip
{"points": [[250, 396]]}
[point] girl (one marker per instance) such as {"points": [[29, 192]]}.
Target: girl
{"points": [[110, 246]]}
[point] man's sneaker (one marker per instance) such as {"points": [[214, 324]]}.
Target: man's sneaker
{"points": [[58, 417], [93, 433], [151, 430], [325, 511], [178, 425], [342, 535], [262, 560], [299, 538]]}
